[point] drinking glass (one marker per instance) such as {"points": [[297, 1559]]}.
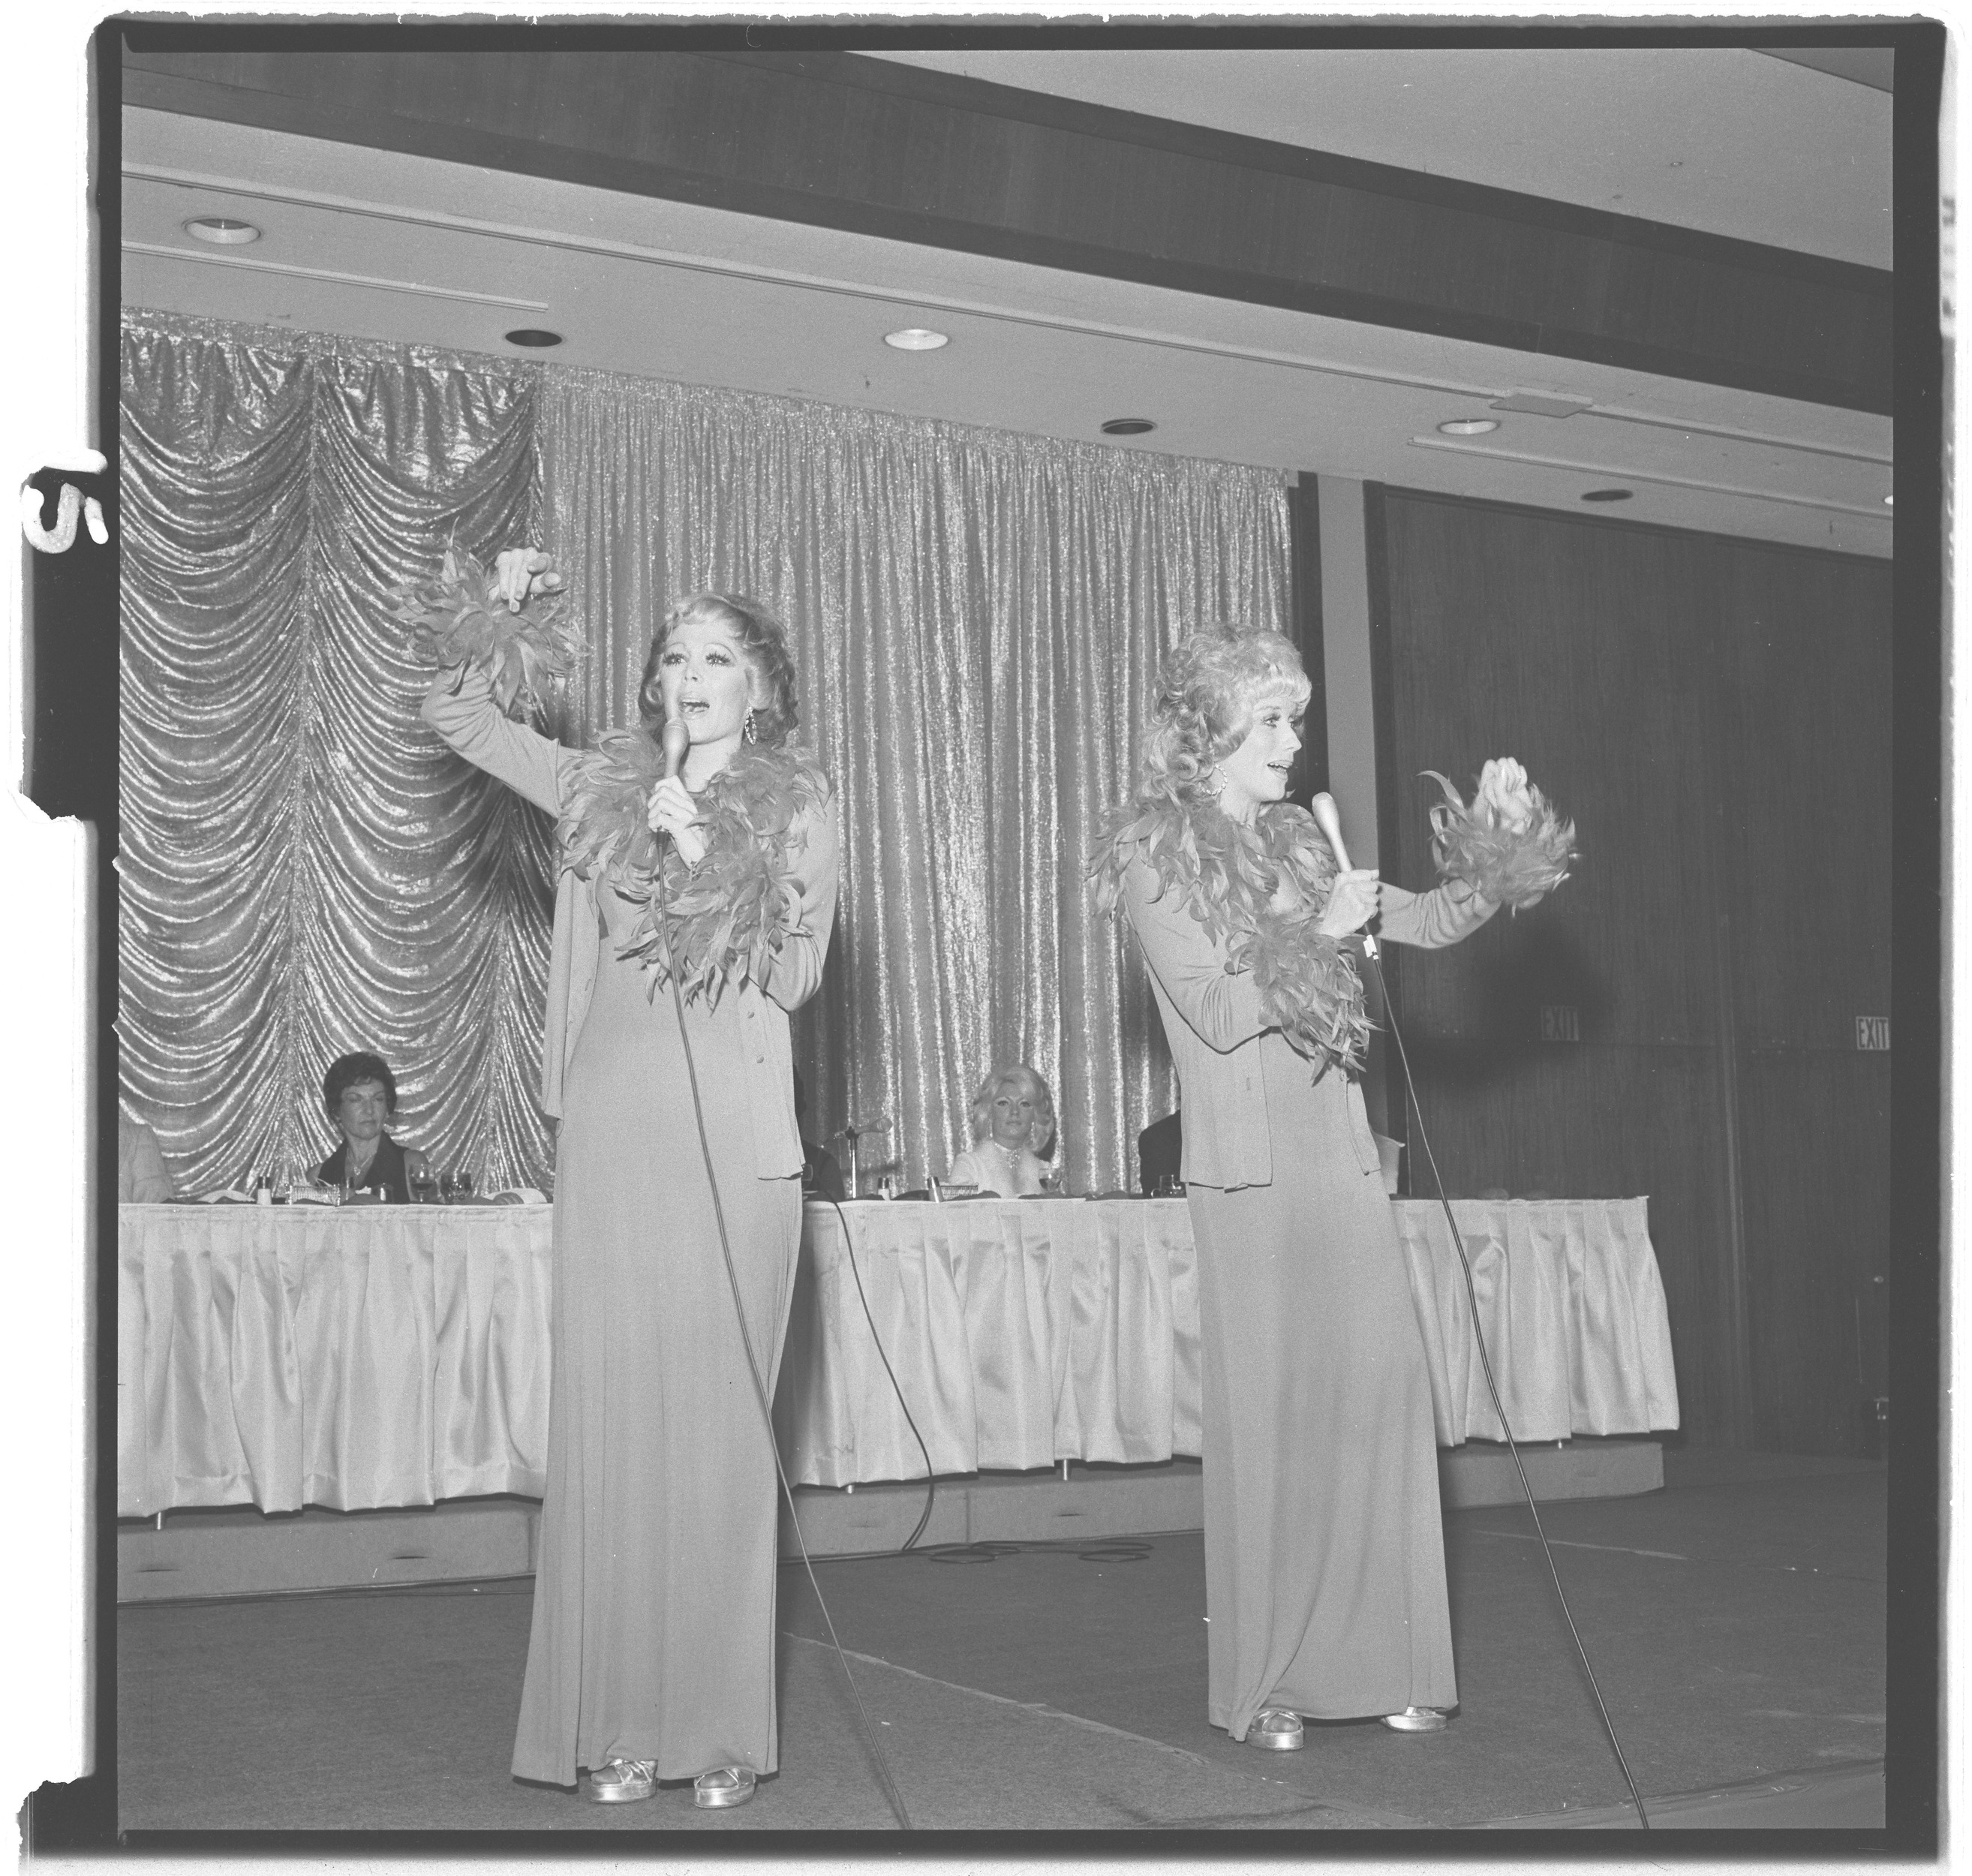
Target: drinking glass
{"points": [[464, 1183], [886, 1185], [424, 1184], [447, 1185]]}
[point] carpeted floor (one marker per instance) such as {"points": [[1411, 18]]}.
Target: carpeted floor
{"points": [[1736, 1622]]}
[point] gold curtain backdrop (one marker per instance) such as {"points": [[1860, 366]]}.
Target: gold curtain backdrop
{"points": [[976, 618]]}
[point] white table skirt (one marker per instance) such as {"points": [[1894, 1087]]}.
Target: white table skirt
{"points": [[290, 1356], [398, 1355]]}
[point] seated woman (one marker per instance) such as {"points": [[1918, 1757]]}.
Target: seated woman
{"points": [[1012, 1131], [361, 1094]]}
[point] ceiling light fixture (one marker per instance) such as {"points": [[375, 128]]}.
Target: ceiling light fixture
{"points": [[1889, 501], [1469, 426], [1608, 494], [533, 336], [1127, 426], [917, 339], [221, 231]]}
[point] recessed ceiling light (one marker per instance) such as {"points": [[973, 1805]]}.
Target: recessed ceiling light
{"points": [[1469, 426], [1127, 426], [917, 339], [1608, 494], [533, 336], [222, 230]]}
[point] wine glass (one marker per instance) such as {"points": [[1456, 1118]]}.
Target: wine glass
{"points": [[447, 1185], [1051, 1180], [424, 1182], [464, 1185]]}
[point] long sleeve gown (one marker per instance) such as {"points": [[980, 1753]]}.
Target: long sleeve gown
{"points": [[653, 1627], [1324, 1552]]}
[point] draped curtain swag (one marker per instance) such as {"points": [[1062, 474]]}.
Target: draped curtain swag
{"points": [[304, 870], [976, 619]]}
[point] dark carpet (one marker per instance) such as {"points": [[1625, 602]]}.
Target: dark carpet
{"points": [[1736, 1622]]}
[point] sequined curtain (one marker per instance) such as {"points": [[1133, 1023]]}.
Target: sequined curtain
{"points": [[977, 620], [304, 869]]}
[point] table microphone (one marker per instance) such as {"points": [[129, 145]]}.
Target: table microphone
{"points": [[1323, 807]]}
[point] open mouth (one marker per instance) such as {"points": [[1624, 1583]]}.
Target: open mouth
{"points": [[694, 706]]}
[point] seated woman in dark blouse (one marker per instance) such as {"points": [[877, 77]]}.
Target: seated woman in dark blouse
{"points": [[361, 1094]]}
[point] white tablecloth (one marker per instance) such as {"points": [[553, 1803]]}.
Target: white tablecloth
{"points": [[1021, 1332], [398, 1355], [280, 1356]]}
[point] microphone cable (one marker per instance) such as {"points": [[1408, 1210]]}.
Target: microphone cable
{"points": [[896, 1388], [753, 1363], [1492, 1386]]}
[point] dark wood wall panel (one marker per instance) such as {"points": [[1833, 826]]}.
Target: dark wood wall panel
{"points": [[1806, 696], [1815, 1143], [1577, 648], [1715, 714], [1806, 819], [861, 144]]}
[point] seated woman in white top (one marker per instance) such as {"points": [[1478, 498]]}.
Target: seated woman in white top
{"points": [[1013, 1132]]}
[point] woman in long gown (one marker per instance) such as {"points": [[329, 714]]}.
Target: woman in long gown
{"points": [[1325, 1585], [652, 1656]]}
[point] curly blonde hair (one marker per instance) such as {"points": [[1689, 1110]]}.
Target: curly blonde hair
{"points": [[1212, 684], [1040, 1135], [762, 641]]}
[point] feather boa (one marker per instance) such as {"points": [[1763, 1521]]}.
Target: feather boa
{"points": [[1514, 855], [458, 618], [730, 916], [1228, 876]]}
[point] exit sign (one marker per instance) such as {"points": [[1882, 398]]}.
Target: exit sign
{"points": [[1560, 1024], [1872, 1031]]}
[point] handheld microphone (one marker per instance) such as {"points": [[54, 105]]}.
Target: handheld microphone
{"points": [[676, 740], [1322, 808]]}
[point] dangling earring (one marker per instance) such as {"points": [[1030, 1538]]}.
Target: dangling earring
{"points": [[752, 734]]}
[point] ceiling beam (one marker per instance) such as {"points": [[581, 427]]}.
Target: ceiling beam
{"points": [[833, 140]]}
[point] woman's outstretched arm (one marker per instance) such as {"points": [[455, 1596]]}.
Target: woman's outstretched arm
{"points": [[459, 705], [1433, 919]]}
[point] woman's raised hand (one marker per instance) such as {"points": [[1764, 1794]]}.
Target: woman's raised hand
{"points": [[673, 811], [1354, 899], [519, 571]]}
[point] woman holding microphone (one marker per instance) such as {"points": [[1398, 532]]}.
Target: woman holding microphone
{"points": [[678, 1182], [1325, 1581]]}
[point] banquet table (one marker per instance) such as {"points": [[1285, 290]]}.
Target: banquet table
{"points": [[396, 1356]]}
